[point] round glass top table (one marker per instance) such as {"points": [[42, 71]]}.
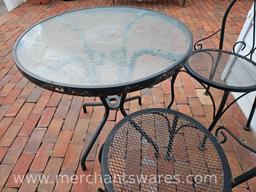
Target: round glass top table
{"points": [[104, 52]]}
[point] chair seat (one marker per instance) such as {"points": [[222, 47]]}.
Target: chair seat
{"points": [[223, 70], [161, 146]]}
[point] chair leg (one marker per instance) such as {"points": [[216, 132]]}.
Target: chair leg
{"points": [[100, 152], [216, 118], [207, 90], [248, 124], [184, 2], [244, 177]]}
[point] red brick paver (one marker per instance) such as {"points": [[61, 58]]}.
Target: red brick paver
{"points": [[44, 133]]}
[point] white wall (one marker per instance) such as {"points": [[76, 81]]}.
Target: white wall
{"points": [[246, 35], [11, 4]]}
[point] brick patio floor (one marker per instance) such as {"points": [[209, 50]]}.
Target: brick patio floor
{"points": [[44, 133]]}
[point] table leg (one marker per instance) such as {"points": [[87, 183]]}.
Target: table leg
{"points": [[110, 103], [101, 104], [96, 134], [216, 118], [172, 89]]}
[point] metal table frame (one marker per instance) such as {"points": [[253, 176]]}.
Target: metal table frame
{"points": [[110, 103]]}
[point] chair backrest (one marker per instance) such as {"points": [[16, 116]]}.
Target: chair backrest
{"points": [[238, 46], [242, 44]]}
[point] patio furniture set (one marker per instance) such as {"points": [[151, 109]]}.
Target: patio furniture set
{"points": [[121, 50]]}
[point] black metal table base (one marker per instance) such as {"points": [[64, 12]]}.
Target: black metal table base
{"points": [[114, 102], [110, 99]]}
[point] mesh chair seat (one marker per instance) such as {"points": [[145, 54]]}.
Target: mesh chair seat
{"points": [[157, 150], [223, 70]]}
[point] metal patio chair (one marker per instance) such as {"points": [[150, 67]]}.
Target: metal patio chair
{"points": [[222, 69], [168, 145]]}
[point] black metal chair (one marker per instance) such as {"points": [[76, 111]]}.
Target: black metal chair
{"points": [[229, 71], [166, 145]]}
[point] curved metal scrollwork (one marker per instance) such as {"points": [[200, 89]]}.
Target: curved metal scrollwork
{"points": [[198, 45], [241, 45], [237, 49], [220, 131]]}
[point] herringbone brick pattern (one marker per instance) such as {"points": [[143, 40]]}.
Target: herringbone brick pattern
{"points": [[44, 133]]}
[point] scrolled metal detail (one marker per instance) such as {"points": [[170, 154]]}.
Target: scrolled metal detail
{"points": [[198, 45], [220, 131], [237, 49], [146, 136], [243, 44]]}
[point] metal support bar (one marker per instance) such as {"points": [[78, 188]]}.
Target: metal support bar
{"points": [[134, 98], [208, 93], [110, 103], [96, 134], [184, 2], [122, 106], [216, 117], [109, 99], [244, 177], [172, 89], [91, 104], [100, 152], [248, 124]]}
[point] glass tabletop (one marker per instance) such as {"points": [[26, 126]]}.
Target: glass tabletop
{"points": [[104, 47], [223, 69]]}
